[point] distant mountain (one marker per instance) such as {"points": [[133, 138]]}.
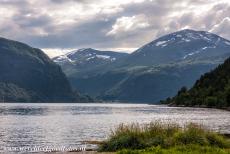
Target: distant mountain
{"points": [[179, 46], [211, 90], [157, 70], [28, 75], [83, 60]]}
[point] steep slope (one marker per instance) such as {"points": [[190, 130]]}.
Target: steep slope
{"points": [[157, 70], [85, 60], [153, 84], [28, 75], [212, 89]]}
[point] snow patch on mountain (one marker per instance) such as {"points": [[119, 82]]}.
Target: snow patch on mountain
{"points": [[103, 56], [87, 59], [198, 51], [62, 59], [185, 37], [186, 40], [71, 53], [192, 36], [217, 42], [86, 55], [161, 43]]}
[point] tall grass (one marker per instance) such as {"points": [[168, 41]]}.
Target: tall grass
{"points": [[188, 149], [155, 134]]}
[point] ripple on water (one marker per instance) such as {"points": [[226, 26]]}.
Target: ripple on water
{"points": [[70, 124]]}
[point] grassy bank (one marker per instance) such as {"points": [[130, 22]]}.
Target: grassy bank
{"points": [[188, 149], [165, 138]]}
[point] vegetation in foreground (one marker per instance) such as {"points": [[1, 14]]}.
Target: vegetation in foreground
{"points": [[211, 90], [165, 138], [189, 149]]}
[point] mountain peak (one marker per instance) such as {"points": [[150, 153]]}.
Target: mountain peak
{"points": [[186, 30], [186, 36], [88, 57], [86, 49], [191, 31], [181, 45]]}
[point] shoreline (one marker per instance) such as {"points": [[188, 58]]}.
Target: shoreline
{"points": [[101, 102], [205, 107]]}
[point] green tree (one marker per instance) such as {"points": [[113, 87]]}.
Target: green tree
{"points": [[211, 101], [228, 97], [182, 90]]}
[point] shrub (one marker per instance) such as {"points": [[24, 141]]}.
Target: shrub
{"points": [[124, 137], [217, 140], [188, 149], [193, 134], [211, 101], [127, 141], [163, 135]]}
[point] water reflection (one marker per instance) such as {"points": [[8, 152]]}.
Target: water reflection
{"points": [[70, 124], [23, 111]]}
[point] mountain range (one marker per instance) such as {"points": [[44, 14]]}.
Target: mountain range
{"points": [[151, 73], [29, 75]]}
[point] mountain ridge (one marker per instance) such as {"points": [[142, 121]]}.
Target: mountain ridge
{"points": [[177, 46], [86, 59], [176, 62]]}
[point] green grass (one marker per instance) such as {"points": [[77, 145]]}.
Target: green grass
{"points": [[187, 149], [164, 137]]}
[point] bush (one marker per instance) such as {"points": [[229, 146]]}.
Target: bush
{"points": [[193, 134], [189, 149], [127, 141], [211, 101], [217, 140], [164, 135], [124, 137]]}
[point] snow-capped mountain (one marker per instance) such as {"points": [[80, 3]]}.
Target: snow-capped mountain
{"points": [[186, 36], [182, 45], [157, 70], [152, 73], [87, 58]]}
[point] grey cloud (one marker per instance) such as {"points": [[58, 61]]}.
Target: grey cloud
{"points": [[151, 8], [91, 31], [32, 21], [86, 34], [186, 19], [222, 28], [76, 1], [17, 3]]}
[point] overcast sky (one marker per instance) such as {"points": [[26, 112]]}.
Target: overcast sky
{"points": [[60, 25]]}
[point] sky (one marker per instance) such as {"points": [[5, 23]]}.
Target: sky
{"points": [[59, 26]]}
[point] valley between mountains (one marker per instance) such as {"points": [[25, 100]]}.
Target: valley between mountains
{"points": [[150, 74]]}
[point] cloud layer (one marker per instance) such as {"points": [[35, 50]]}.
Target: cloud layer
{"points": [[103, 24]]}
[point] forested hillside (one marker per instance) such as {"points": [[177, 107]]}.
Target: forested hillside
{"points": [[211, 90]]}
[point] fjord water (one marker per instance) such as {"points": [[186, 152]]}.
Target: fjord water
{"points": [[29, 125]]}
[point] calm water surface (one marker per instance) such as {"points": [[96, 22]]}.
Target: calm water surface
{"points": [[23, 125]]}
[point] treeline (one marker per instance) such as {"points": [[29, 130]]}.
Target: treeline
{"points": [[211, 90]]}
